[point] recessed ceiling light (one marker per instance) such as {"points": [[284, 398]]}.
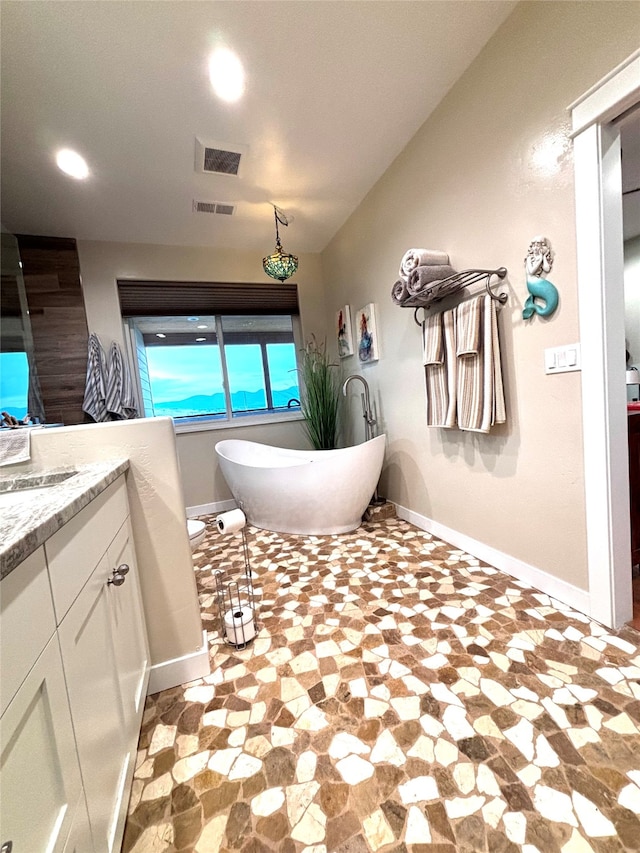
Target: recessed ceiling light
{"points": [[201, 327], [226, 74], [192, 319], [71, 163], [201, 339], [160, 335]]}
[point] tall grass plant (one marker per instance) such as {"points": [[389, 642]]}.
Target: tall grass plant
{"points": [[320, 396]]}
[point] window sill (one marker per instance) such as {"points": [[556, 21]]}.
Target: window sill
{"points": [[209, 424]]}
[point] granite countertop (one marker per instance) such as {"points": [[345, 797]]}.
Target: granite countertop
{"points": [[35, 504]]}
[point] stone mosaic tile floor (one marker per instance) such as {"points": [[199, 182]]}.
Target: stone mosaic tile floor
{"points": [[400, 696]]}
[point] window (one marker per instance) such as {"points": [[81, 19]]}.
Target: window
{"points": [[217, 366], [14, 383], [213, 351]]}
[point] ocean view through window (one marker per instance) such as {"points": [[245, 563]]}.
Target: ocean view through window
{"points": [[216, 367], [14, 383]]}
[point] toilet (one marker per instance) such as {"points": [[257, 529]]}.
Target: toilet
{"points": [[196, 530]]}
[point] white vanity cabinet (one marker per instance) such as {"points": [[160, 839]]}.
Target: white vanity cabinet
{"points": [[41, 788], [99, 638]]}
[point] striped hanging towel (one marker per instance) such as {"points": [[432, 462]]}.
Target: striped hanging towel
{"points": [[480, 389], [440, 369], [435, 370], [120, 399], [449, 322], [94, 403]]}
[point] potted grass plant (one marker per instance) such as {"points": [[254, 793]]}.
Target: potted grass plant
{"points": [[319, 395]]}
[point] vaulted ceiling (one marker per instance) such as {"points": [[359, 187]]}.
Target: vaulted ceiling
{"points": [[335, 89]]}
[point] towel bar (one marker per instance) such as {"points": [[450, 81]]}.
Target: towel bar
{"points": [[454, 284]]}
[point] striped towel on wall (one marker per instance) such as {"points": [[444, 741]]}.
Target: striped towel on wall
{"points": [[94, 403], [479, 386], [449, 322], [120, 397], [435, 370], [440, 368]]}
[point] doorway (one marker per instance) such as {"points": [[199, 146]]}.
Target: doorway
{"points": [[599, 225], [630, 143]]}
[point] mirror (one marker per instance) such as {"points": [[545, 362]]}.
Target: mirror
{"points": [[20, 394]]}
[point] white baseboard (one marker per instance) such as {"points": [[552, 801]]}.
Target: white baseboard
{"points": [[209, 509], [171, 673], [555, 587]]}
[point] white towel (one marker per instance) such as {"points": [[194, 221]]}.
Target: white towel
{"points": [[399, 291], [413, 258], [120, 399], [425, 279], [15, 446], [94, 403]]}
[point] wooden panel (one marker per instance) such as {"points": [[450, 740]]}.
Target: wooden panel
{"points": [[56, 305], [43, 283]]}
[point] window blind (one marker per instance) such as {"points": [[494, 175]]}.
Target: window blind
{"points": [[175, 298]]}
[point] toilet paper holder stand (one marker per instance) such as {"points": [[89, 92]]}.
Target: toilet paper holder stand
{"points": [[235, 601]]}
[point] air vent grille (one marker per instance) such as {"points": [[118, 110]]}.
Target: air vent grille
{"points": [[222, 162], [219, 207]]}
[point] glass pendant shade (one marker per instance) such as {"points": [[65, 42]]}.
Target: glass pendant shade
{"points": [[280, 264]]}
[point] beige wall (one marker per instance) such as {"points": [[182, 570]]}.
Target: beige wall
{"points": [[157, 517], [102, 263], [489, 170]]}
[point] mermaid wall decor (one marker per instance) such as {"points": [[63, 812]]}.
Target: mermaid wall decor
{"points": [[543, 295]]}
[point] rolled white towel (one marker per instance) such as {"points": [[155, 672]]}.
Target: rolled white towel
{"points": [[399, 291], [413, 258], [424, 276]]}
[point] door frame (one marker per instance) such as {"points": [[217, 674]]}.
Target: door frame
{"points": [[599, 237]]}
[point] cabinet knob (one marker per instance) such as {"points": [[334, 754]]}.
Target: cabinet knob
{"points": [[122, 569], [116, 580], [7, 847]]}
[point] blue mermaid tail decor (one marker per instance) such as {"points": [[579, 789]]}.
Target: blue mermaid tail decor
{"points": [[538, 262]]}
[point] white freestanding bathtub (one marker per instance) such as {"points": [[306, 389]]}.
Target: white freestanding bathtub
{"points": [[302, 491]]}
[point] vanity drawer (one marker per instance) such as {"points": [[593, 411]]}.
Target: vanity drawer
{"points": [[26, 624], [75, 550]]}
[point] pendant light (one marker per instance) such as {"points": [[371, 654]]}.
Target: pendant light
{"points": [[280, 264]]}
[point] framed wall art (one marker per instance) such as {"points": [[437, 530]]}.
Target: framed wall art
{"points": [[367, 334], [344, 333]]}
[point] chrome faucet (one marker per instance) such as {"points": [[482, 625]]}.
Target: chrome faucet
{"points": [[367, 414], [369, 422]]}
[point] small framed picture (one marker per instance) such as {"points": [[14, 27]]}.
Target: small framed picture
{"points": [[367, 334], [343, 327]]}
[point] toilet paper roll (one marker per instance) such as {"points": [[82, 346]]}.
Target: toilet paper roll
{"points": [[239, 625], [231, 522]]}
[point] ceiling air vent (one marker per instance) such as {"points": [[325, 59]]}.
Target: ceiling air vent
{"points": [[220, 207], [215, 158], [223, 162]]}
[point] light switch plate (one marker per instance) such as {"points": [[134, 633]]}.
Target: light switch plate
{"points": [[564, 359]]}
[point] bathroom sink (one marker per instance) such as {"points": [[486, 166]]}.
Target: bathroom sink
{"points": [[33, 483]]}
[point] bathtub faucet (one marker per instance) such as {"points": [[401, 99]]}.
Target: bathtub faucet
{"points": [[367, 414], [369, 421]]}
